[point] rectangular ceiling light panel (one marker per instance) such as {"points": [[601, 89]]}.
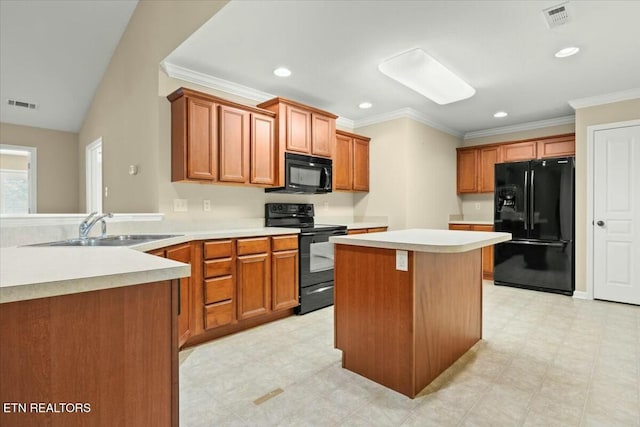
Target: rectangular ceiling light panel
{"points": [[422, 73]]}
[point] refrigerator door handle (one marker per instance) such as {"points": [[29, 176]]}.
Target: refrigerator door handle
{"points": [[531, 200], [526, 202]]}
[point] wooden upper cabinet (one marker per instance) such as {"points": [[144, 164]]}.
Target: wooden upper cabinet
{"points": [[302, 129], [323, 132], [201, 151], [343, 163], [298, 129], [556, 147], [467, 170], [263, 150], [234, 142], [350, 162], [216, 140], [519, 151], [487, 158], [360, 164]]}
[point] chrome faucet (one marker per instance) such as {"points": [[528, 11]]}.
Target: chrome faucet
{"points": [[87, 224]]}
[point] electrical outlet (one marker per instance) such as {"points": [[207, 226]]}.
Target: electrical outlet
{"points": [[325, 206], [106, 192], [206, 205], [477, 206], [402, 260], [180, 205]]}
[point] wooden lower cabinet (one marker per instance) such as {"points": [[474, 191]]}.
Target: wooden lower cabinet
{"points": [[182, 253], [244, 282], [113, 351], [487, 251], [253, 285], [284, 274], [366, 230]]}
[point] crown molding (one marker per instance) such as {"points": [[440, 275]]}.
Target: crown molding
{"points": [[608, 98], [408, 113], [565, 120], [206, 80], [343, 122]]}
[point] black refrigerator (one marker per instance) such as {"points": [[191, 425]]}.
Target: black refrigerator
{"points": [[534, 201]]}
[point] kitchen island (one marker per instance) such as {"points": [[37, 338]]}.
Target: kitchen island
{"points": [[88, 337], [408, 303]]}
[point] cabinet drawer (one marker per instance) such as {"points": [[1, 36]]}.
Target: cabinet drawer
{"points": [[284, 243], [376, 229], [218, 267], [219, 249], [253, 246], [478, 227], [357, 231], [218, 314], [463, 227], [219, 289]]}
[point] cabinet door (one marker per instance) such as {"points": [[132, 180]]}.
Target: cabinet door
{"points": [[298, 130], [323, 132], [183, 254], [487, 253], [343, 163], [234, 144], [253, 285], [467, 170], [202, 155], [463, 227], [557, 147], [360, 165], [284, 280], [487, 157], [263, 150], [519, 151]]}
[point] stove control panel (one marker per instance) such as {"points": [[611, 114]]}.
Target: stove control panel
{"points": [[280, 210]]}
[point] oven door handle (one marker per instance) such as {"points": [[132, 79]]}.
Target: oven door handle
{"points": [[315, 291]]}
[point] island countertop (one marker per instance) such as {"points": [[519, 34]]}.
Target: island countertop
{"points": [[425, 240]]}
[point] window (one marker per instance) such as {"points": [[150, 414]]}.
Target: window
{"points": [[17, 179], [93, 160]]}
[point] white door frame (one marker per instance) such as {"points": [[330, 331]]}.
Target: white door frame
{"points": [[32, 173], [591, 138], [89, 191]]}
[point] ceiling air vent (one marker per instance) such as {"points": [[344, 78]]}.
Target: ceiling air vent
{"points": [[557, 15], [22, 104]]}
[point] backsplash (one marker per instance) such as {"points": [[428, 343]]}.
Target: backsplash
{"points": [[477, 206]]}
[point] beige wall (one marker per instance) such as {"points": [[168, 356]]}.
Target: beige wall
{"points": [[413, 175], [57, 162], [481, 205], [608, 113], [14, 162], [124, 111]]}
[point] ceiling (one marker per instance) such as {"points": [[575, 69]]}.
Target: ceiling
{"points": [[54, 54], [505, 50]]}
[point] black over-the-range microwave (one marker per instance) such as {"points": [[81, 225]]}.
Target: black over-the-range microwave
{"points": [[305, 174]]}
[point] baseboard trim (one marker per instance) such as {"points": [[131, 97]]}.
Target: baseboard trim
{"points": [[581, 295]]}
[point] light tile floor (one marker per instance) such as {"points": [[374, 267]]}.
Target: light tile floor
{"points": [[545, 360]]}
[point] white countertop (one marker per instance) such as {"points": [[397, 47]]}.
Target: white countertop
{"points": [[39, 272], [30, 272], [424, 240], [368, 224]]}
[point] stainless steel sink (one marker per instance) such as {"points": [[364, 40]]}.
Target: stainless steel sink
{"points": [[117, 240]]}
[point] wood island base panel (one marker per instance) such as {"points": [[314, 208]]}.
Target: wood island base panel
{"points": [[100, 358], [400, 328]]}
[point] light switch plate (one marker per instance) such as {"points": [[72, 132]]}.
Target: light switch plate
{"points": [[402, 260]]}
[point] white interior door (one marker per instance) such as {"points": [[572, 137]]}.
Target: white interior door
{"points": [[616, 209]]}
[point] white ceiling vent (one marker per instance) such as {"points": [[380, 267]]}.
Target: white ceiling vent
{"points": [[22, 104], [557, 15]]}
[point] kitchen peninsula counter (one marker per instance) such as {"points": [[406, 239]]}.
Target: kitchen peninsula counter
{"points": [[408, 303]]}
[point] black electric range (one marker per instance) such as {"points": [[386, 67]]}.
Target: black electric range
{"points": [[315, 252]]}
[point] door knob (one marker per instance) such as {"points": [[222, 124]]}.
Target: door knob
{"points": [[600, 223]]}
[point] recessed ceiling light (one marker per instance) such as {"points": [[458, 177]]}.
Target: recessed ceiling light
{"points": [[500, 114], [567, 51], [422, 73], [365, 105], [282, 72]]}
